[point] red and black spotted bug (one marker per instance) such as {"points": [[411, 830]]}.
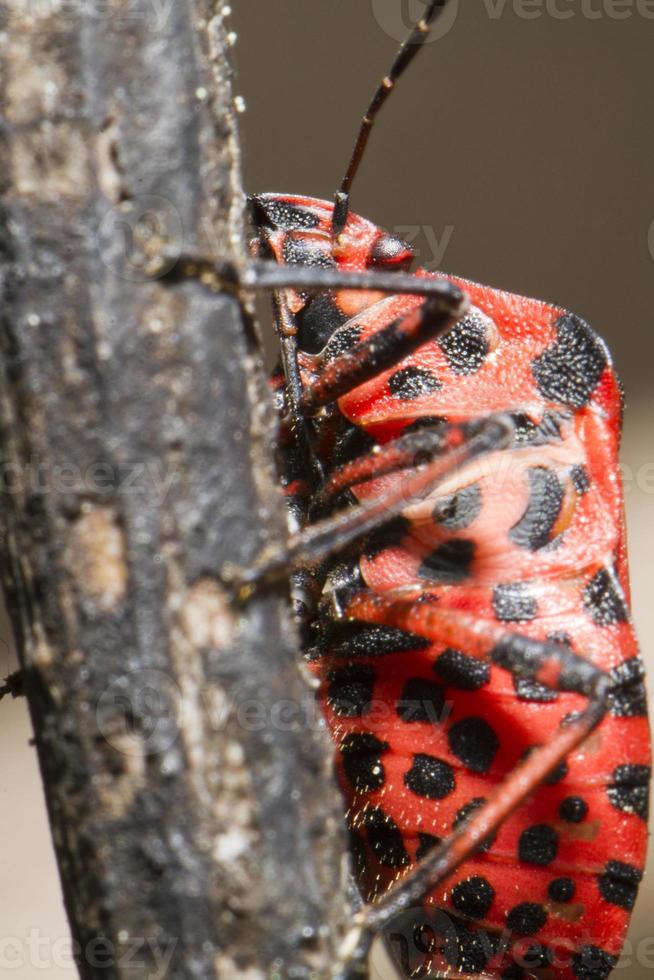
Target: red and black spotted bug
{"points": [[449, 454]]}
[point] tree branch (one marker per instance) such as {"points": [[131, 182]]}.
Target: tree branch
{"points": [[187, 780]]}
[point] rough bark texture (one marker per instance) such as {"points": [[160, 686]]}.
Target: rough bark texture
{"points": [[187, 782]]}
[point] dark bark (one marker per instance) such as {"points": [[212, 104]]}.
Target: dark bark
{"points": [[188, 786]]}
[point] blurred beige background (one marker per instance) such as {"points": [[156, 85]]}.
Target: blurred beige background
{"points": [[519, 152]]}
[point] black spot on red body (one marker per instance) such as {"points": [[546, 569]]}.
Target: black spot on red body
{"points": [[459, 510], [629, 790], [473, 897], [471, 949], [430, 777], [526, 919], [525, 429], [573, 809], [317, 323], [603, 600], [300, 250], [592, 963], [561, 889], [276, 214], [465, 813], [385, 839], [534, 529], [425, 422], [350, 443], [580, 479], [353, 638], [413, 382], [427, 843], [358, 852], [462, 671], [538, 956], [559, 772], [570, 369], [538, 844], [465, 345], [618, 884], [513, 972], [449, 563], [628, 698], [543, 433], [361, 757], [512, 603], [474, 743], [389, 536], [349, 691], [422, 700]]}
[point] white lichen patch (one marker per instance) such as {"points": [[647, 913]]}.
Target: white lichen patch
{"points": [[228, 969], [232, 845], [205, 615], [116, 793], [35, 81], [158, 319], [109, 173], [51, 163], [40, 651], [96, 556]]}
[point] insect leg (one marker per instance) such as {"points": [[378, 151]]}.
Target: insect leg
{"points": [[382, 350], [443, 860], [353, 367], [297, 418], [502, 801], [263, 274], [551, 664], [405, 452], [331, 535]]}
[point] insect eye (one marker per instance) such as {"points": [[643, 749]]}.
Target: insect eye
{"points": [[390, 252]]}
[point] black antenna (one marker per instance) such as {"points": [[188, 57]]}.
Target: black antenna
{"points": [[403, 59]]}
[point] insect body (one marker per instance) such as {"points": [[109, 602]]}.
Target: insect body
{"points": [[526, 541], [450, 460]]}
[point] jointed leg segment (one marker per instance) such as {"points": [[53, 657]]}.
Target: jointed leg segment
{"points": [[332, 535]]}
